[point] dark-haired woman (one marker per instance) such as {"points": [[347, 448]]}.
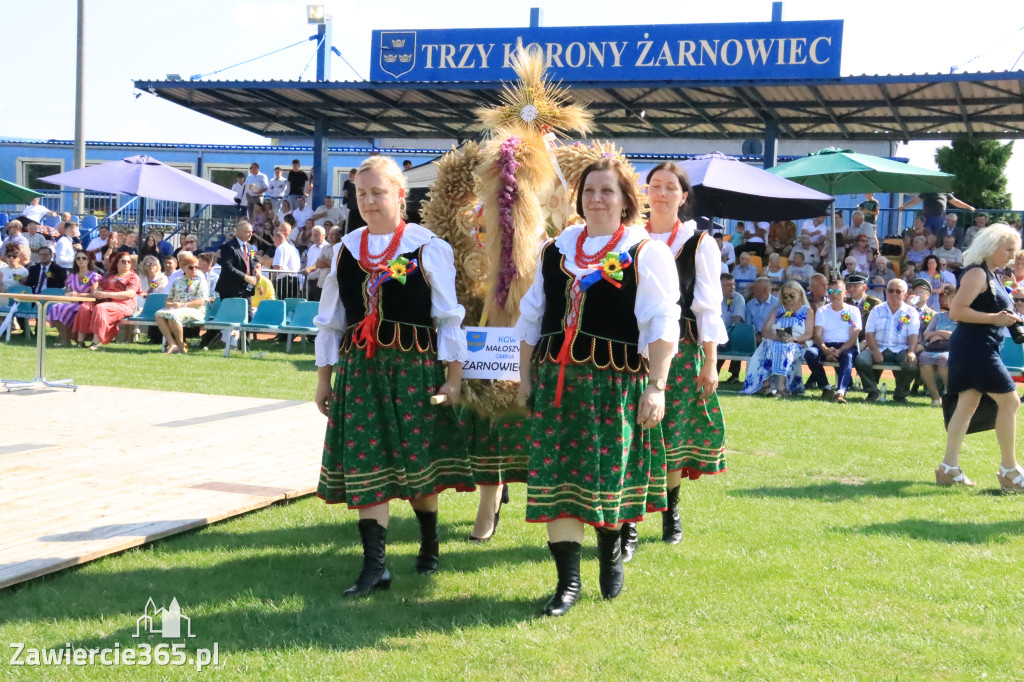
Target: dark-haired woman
{"points": [[82, 280], [599, 327], [389, 327], [693, 427]]}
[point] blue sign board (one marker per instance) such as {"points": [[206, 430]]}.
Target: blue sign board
{"points": [[684, 52]]}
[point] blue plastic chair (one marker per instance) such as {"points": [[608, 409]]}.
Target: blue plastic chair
{"points": [[89, 224], [290, 306], [146, 317], [30, 311], [742, 340], [51, 221], [1012, 355], [301, 322], [6, 304], [4, 219], [269, 317], [231, 315]]}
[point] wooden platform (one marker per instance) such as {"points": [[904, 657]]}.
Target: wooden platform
{"points": [[86, 474]]}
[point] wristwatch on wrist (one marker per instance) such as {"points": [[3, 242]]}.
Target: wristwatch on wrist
{"points": [[660, 384]]}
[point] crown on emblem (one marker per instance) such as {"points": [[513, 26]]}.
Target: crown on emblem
{"points": [[390, 58], [398, 42], [405, 58]]}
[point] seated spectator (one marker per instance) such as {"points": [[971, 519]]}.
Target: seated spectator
{"points": [[950, 230], [947, 276], [64, 249], [980, 223], [759, 305], [774, 270], [329, 211], [816, 229], [933, 350], [728, 252], [98, 244], [744, 273], [207, 261], [286, 209], [891, 333], [35, 240], [817, 290], [34, 213], [806, 249], [918, 251], [300, 212], [186, 304], [1018, 269], [797, 271], [303, 237], [909, 273], [45, 274], [152, 281], [782, 237], [738, 234], [915, 232], [189, 242], [263, 230], [734, 311], [264, 290], [837, 328], [753, 240], [109, 253], [862, 253], [850, 267], [82, 280], [115, 300], [170, 266], [15, 234], [954, 257], [17, 258], [919, 296], [789, 326], [931, 272], [876, 285], [129, 240], [861, 228]]}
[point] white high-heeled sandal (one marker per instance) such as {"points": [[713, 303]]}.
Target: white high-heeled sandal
{"points": [[945, 475]]}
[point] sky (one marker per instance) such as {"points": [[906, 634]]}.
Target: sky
{"points": [[128, 40]]}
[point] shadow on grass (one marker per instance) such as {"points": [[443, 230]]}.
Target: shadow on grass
{"points": [[942, 531], [836, 491]]}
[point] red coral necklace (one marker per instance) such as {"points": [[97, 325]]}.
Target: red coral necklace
{"points": [[584, 260], [371, 263], [672, 237]]}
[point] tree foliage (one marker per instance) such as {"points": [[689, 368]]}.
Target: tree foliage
{"points": [[979, 167]]}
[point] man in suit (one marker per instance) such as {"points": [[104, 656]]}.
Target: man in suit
{"points": [[45, 274], [237, 272]]}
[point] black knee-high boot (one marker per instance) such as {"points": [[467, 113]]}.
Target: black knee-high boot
{"points": [[671, 526], [375, 573], [567, 563], [629, 537], [430, 549], [609, 556]]}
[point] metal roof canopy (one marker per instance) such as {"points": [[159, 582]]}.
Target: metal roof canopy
{"points": [[902, 107]]}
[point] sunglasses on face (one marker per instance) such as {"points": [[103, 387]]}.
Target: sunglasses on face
{"points": [[1018, 300], [834, 291]]}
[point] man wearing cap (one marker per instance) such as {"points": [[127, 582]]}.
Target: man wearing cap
{"points": [[857, 288], [920, 292], [837, 327]]}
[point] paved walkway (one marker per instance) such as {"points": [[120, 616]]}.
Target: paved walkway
{"points": [[87, 474]]}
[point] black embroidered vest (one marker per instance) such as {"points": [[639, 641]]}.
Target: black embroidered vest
{"points": [[607, 334], [403, 310], [686, 265]]}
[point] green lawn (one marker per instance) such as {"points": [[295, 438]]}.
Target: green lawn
{"points": [[825, 552]]}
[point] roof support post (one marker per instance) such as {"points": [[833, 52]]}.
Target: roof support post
{"points": [[319, 162], [771, 143]]}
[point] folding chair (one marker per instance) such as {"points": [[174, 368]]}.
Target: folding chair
{"points": [[301, 322]]}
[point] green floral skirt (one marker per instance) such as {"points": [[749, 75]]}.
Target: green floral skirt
{"points": [[384, 439], [589, 459], [694, 430], [497, 446]]}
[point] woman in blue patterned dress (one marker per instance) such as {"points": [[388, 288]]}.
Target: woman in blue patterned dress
{"points": [[789, 327]]}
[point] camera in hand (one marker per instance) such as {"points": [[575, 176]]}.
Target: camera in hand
{"points": [[1017, 332]]}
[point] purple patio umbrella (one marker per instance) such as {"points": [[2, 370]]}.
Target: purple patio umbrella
{"points": [[727, 188], [145, 177]]}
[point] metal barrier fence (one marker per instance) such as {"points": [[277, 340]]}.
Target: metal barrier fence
{"points": [[292, 284]]}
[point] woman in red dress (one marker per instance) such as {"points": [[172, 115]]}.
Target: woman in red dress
{"points": [[115, 300]]}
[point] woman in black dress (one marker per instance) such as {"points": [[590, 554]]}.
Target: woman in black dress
{"points": [[982, 308]]}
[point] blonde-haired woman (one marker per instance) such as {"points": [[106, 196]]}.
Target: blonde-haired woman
{"points": [[186, 304], [789, 327], [389, 326], [982, 307]]}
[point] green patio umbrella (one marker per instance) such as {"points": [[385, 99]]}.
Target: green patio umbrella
{"points": [[15, 194], [841, 171]]}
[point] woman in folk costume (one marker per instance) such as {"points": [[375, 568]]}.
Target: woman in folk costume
{"points": [[599, 327], [389, 328], [693, 426]]}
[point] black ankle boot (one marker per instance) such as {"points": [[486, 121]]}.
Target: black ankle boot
{"points": [[609, 557], [426, 561], [375, 575], [628, 536], [567, 563], [671, 526]]}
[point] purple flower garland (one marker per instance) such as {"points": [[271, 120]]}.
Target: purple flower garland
{"points": [[507, 195]]}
